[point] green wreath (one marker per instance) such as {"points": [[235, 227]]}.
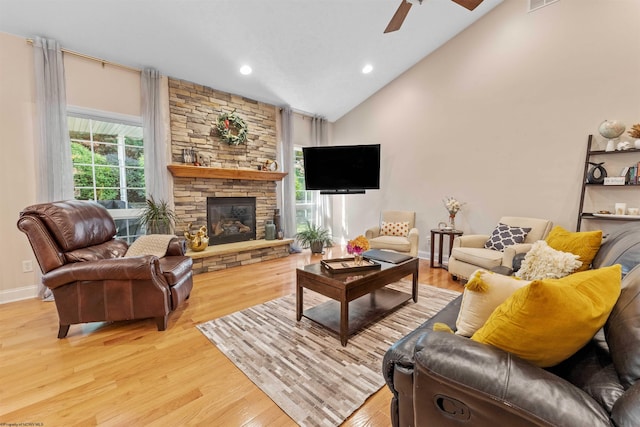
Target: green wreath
{"points": [[231, 128]]}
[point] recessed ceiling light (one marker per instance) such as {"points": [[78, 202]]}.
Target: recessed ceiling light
{"points": [[367, 69], [245, 70]]}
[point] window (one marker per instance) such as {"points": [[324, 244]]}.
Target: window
{"points": [[305, 200], [108, 167]]}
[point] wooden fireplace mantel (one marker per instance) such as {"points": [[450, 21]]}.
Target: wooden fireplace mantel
{"points": [[188, 171]]}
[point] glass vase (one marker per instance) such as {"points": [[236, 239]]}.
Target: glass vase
{"points": [[357, 259], [452, 221]]}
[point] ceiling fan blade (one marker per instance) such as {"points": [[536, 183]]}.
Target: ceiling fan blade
{"points": [[398, 17], [469, 4]]}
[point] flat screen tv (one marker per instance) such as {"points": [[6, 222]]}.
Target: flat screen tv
{"points": [[342, 169]]}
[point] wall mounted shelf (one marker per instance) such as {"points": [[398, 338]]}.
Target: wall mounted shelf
{"points": [[188, 171]]}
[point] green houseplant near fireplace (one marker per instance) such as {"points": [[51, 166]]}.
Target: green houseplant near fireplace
{"points": [[314, 237], [158, 217]]}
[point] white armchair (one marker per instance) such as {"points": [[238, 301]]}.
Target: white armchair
{"points": [[406, 243], [468, 252]]}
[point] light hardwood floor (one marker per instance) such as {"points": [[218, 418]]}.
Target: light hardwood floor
{"points": [[129, 374]]}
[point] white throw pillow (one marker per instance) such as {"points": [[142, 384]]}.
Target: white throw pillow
{"points": [[484, 292], [394, 228], [544, 262]]}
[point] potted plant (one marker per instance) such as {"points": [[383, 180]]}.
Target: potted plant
{"points": [[157, 217], [314, 237]]}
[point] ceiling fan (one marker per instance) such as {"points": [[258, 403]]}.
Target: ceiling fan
{"points": [[403, 10]]}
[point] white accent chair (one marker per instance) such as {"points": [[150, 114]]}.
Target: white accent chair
{"points": [[403, 244], [469, 254]]}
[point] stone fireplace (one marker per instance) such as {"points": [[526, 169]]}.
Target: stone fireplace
{"points": [[224, 172], [231, 219]]}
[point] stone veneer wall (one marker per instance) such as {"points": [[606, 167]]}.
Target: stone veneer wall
{"points": [[194, 110]]}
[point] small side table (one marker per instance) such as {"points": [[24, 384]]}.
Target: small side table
{"points": [[441, 233]]}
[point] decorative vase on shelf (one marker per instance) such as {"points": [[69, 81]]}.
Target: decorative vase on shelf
{"points": [[597, 173], [452, 221], [611, 129]]}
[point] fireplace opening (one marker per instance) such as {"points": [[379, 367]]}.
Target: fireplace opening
{"points": [[231, 219]]}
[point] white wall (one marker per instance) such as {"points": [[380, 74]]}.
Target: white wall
{"points": [[17, 172], [499, 117], [89, 85]]}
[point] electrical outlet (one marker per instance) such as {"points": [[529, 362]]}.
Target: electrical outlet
{"points": [[27, 266]]}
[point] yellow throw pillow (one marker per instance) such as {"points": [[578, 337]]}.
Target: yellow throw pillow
{"points": [[482, 294], [551, 319], [585, 244]]}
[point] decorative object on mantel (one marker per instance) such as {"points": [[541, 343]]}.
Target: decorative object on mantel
{"points": [[203, 160], [197, 241], [453, 207], [270, 165], [597, 173], [611, 129], [189, 155], [231, 128]]}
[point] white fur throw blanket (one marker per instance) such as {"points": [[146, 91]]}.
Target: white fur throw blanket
{"points": [[152, 244], [544, 262]]}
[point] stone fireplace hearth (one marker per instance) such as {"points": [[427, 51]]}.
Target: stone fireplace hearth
{"points": [[192, 186]]}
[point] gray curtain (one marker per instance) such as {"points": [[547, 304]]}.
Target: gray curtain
{"points": [[289, 181], [54, 168], [155, 157], [324, 206], [54, 172]]}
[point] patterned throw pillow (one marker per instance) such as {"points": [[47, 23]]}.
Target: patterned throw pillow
{"points": [[394, 228], [505, 235]]}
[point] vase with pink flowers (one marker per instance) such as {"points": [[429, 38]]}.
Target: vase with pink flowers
{"points": [[356, 247]]}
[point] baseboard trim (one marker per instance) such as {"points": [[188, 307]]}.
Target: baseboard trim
{"points": [[18, 294]]}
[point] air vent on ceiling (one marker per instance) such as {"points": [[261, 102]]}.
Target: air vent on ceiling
{"points": [[537, 4]]}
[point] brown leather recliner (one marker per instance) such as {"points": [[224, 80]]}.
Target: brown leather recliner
{"points": [[85, 268]]}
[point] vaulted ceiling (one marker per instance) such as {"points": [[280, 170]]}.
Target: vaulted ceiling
{"points": [[308, 54]]}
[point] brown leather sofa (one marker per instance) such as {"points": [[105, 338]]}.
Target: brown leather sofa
{"points": [[441, 379], [85, 268]]}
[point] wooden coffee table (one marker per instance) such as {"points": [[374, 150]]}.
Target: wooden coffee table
{"points": [[359, 298]]}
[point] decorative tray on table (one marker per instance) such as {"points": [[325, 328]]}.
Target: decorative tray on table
{"points": [[347, 265]]}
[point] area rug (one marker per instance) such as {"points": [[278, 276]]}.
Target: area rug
{"points": [[302, 367]]}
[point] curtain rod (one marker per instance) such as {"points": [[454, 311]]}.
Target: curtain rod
{"points": [[301, 113], [93, 58]]}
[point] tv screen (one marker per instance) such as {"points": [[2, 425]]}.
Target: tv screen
{"points": [[342, 169]]}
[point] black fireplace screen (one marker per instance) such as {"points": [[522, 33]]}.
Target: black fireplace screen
{"points": [[231, 219]]}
